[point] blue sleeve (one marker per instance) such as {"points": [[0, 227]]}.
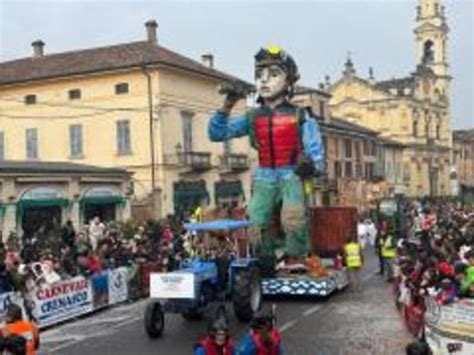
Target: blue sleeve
{"points": [[222, 128], [246, 346], [199, 351], [313, 144]]}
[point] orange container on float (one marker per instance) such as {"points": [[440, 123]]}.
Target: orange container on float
{"points": [[330, 228]]}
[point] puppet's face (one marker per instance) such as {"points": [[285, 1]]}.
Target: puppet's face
{"points": [[271, 81]]}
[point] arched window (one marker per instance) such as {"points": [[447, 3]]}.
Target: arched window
{"points": [[438, 131], [415, 128], [427, 129], [428, 52]]}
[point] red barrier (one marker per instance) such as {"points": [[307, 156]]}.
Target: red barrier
{"points": [[414, 319]]}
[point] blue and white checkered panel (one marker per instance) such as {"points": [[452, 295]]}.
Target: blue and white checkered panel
{"points": [[283, 286]]}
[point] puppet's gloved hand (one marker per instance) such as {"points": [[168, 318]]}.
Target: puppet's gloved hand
{"points": [[234, 91]]}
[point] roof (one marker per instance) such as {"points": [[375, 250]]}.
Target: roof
{"points": [[303, 90], [53, 167], [349, 126], [87, 61], [464, 134], [398, 84], [391, 142]]}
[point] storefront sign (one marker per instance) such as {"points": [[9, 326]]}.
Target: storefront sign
{"points": [[171, 285], [118, 285], [62, 300], [41, 193], [101, 191]]}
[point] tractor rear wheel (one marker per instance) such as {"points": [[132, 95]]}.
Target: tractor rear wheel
{"points": [[247, 293], [154, 319]]}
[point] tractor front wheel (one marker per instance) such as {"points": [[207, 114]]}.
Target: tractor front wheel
{"points": [[154, 319], [247, 294]]}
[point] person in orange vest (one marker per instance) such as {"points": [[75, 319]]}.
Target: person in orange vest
{"points": [[19, 336], [354, 259]]}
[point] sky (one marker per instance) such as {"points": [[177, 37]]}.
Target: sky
{"points": [[319, 34]]}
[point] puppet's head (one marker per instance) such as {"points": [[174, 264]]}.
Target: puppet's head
{"points": [[275, 73]]}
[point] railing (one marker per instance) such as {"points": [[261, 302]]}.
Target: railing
{"points": [[197, 161], [234, 162]]}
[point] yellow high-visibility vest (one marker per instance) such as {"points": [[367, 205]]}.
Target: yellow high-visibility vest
{"points": [[353, 258], [387, 250]]}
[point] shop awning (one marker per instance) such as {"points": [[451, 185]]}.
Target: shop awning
{"points": [[228, 189], [101, 200], [2, 210], [186, 194], [23, 204]]}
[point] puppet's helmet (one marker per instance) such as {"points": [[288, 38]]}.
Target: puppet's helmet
{"points": [[275, 55]]}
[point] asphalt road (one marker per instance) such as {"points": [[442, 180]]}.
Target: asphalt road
{"points": [[345, 323]]}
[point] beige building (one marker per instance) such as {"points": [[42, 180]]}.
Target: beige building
{"points": [[43, 196], [413, 110], [463, 156], [137, 106], [361, 166]]}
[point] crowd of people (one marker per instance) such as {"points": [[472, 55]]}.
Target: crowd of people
{"points": [[435, 258], [26, 262]]}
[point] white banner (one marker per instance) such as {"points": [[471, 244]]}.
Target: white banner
{"points": [[450, 328], [171, 285], [118, 285], [62, 300]]}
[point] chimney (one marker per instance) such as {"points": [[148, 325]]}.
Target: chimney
{"points": [[208, 60], [38, 48], [151, 27]]}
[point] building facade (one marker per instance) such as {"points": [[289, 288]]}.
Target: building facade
{"points": [[361, 166], [463, 157], [413, 110], [38, 196], [136, 106]]}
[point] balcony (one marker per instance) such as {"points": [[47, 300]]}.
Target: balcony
{"points": [[234, 162], [194, 161]]}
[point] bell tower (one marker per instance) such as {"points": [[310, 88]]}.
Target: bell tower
{"points": [[431, 34]]}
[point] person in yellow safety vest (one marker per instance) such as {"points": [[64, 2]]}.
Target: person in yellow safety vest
{"points": [[354, 260], [17, 335], [198, 214], [389, 252]]}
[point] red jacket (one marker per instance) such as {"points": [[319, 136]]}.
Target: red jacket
{"points": [[264, 349], [278, 139], [211, 348]]}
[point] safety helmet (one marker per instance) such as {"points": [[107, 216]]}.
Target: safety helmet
{"points": [[275, 55], [14, 313]]}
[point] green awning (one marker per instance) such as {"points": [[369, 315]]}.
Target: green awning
{"points": [[228, 189], [23, 204], [188, 195], [101, 200]]}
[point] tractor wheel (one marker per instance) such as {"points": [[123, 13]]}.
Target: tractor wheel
{"points": [[154, 319], [247, 294]]}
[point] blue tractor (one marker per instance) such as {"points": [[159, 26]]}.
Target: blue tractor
{"points": [[203, 282]]}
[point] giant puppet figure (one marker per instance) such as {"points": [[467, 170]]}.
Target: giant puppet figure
{"points": [[289, 144]]}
